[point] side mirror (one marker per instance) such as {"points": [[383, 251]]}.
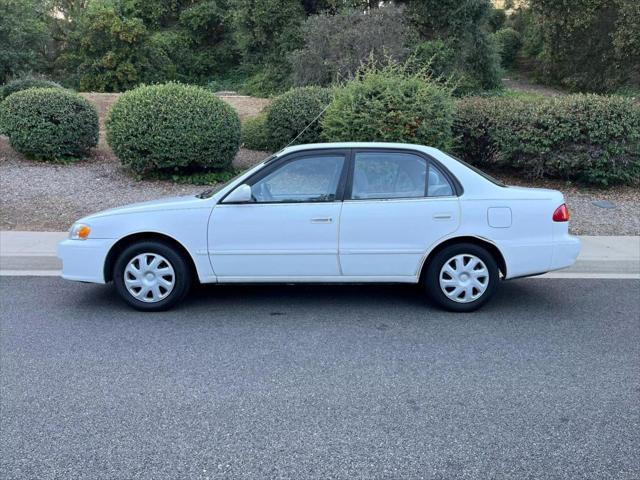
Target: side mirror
{"points": [[242, 194]]}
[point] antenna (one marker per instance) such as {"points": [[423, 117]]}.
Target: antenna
{"points": [[310, 123]]}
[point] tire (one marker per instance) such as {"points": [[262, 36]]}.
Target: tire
{"points": [[145, 265], [466, 265]]}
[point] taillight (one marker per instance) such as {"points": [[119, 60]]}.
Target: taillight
{"points": [[561, 214]]}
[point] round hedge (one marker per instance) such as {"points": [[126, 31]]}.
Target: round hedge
{"points": [[294, 110], [172, 127], [389, 106], [49, 124], [26, 83]]}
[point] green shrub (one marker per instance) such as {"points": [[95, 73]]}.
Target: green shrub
{"points": [[292, 112], [254, 133], [509, 44], [390, 106], [588, 138], [443, 63], [172, 127], [25, 83], [49, 123]]}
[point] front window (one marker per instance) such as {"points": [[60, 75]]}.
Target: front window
{"points": [[307, 179]]}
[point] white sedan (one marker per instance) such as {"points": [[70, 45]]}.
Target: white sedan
{"points": [[341, 212]]}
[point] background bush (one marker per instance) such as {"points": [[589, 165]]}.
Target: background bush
{"points": [[291, 112], [465, 26], [254, 133], [49, 123], [582, 45], [589, 138], [336, 45], [509, 44], [388, 105], [172, 127], [25, 83]]}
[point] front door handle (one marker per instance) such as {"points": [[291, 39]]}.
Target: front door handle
{"points": [[442, 216], [322, 220]]}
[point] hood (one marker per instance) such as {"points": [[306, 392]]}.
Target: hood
{"points": [[171, 203]]}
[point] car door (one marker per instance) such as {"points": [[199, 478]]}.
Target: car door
{"points": [[398, 203], [290, 229]]}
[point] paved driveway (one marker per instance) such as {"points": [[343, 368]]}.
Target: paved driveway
{"points": [[321, 382]]}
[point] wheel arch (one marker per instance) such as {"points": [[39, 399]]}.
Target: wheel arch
{"points": [[118, 247], [481, 242]]}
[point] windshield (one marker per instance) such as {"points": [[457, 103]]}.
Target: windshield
{"points": [[493, 180], [210, 192]]}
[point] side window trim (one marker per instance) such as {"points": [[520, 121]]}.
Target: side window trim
{"points": [[348, 191], [280, 162]]}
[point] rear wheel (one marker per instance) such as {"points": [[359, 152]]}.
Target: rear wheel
{"points": [[151, 276], [462, 277]]}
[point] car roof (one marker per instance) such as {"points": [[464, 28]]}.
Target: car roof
{"points": [[339, 145]]}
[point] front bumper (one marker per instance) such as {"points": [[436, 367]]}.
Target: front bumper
{"points": [[83, 260]]}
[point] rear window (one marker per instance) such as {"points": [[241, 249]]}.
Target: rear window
{"points": [[493, 180]]}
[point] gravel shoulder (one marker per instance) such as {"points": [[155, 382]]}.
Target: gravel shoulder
{"points": [[36, 196]]}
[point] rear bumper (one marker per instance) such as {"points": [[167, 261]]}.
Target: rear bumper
{"points": [[565, 252], [83, 260]]}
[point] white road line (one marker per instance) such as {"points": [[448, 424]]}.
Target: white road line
{"points": [[627, 276], [30, 273]]}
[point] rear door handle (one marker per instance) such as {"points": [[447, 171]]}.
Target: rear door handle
{"points": [[441, 216], [322, 220]]}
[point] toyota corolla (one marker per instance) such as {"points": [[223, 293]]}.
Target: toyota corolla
{"points": [[331, 213]]}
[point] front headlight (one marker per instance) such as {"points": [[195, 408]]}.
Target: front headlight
{"points": [[79, 231]]}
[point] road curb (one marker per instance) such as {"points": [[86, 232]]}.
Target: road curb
{"points": [[35, 253]]}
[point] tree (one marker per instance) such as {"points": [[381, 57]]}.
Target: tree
{"points": [[201, 44], [23, 37], [464, 26], [588, 44], [337, 45], [266, 31], [110, 51]]}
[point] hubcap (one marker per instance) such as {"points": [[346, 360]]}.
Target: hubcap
{"points": [[149, 277], [464, 278]]}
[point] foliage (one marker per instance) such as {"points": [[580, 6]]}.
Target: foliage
{"points": [[292, 112], [254, 133], [443, 64], [23, 35], [195, 178], [199, 42], [172, 128], [464, 26], [336, 45], [585, 45], [115, 45], [391, 105], [49, 123], [509, 44], [266, 31], [24, 83], [113, 52], [588, 138], [497, 19]]}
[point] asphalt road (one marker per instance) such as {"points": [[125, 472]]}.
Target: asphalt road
{"points": [[321, 382]]}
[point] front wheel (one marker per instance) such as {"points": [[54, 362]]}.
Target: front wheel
{"points": [[151, 276], [462, 277]]}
